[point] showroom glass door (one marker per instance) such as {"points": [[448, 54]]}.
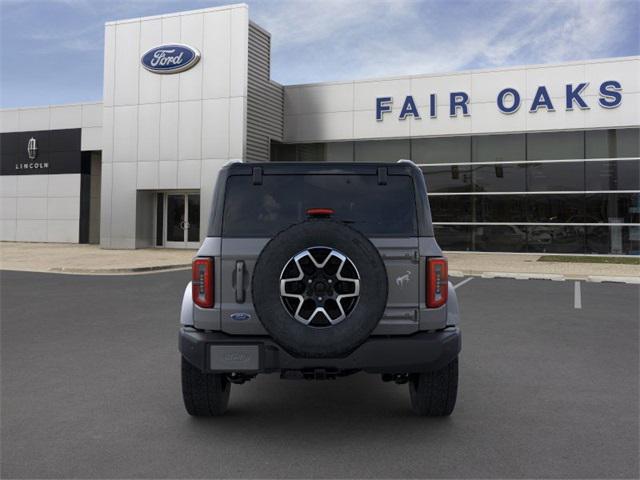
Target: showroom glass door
{"points": [[182, 220]]}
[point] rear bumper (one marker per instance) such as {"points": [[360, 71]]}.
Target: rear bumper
{"points": [[219, 352]]}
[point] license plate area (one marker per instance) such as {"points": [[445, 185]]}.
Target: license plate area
{"points": [[234, 358]]}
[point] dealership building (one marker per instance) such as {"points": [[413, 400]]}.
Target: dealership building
{"points": [[541, 158]]}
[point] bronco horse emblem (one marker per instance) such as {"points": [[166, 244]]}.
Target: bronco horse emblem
{"points": [[402, 280]]}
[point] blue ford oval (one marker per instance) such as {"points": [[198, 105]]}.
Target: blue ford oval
{"points": [[240, 316], [173, 58]]}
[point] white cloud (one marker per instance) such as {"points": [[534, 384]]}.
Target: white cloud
{"points": [[325, 40]]}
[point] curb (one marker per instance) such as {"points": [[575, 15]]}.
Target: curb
{"points": [[546, 276], [599, 279], [154, 268]]}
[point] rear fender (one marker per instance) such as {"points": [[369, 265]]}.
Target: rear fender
{"points": [[453, 312], [186, 311]]}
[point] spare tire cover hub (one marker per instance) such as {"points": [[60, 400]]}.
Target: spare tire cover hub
{"points": [[319, 288]]}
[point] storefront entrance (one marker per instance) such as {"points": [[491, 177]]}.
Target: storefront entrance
{"points": [[181, 220]]}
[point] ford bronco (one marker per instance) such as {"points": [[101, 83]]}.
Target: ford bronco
{"points": [[315, 271]]}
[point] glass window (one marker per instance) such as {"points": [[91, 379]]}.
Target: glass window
{"points": [[555, 145], [310, 152], [560, 208], [193, 234], [499, 148], [499, 208], [282, 200], [339, 152], [500, 238], [159, 218], [453, 237], [448, 178], [613, 240], [441, 150], [499, 178], [281, 152], [448, 208], [613, 175], [548, 177], [382, 150], [613, 208], [556, 239], [612, 143]]}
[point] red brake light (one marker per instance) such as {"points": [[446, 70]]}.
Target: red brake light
{"points": [[437, 282], [320, 212], [202, 281]]}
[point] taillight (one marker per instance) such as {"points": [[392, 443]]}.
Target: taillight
{"points": [[320, 212], [437, 282], [202, 281]]}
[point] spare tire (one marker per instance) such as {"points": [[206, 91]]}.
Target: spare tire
{"points": [[319, 288]]}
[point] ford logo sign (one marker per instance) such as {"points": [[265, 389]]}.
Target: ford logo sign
{"points": [[240, 316], [173, 58]]}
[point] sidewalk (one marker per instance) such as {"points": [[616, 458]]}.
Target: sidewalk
{"points": [[73, 258], [91, 259], [523, 266]]}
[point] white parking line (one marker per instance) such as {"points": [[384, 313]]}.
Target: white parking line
{"points": [[577, 296], [459, 284]]}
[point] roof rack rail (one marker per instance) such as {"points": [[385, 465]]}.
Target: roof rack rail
{"points": [[406, 160], [232, 161]]}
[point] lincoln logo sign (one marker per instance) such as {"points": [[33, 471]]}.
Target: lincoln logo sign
{"points": [[508, 101], [32, 154], [32, 149], [172, 58]]}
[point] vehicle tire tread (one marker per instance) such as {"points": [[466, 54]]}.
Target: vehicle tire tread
{"points": [[434, 394], [204, 394]]}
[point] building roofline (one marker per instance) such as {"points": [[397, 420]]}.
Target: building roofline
{"points": [[53, 105], [466, 72], [179, 14]]}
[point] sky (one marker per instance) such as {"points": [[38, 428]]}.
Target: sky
{"points": [[51, 51]]}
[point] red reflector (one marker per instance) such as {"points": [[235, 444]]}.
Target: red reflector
{"points": [[437, 282], [320, 212], [202, 281]]}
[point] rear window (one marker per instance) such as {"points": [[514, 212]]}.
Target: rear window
{"points": [[282, 200]]}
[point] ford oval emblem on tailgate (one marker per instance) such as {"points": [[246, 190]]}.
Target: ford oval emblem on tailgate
{"points": [[173, 58], [240, 316]]}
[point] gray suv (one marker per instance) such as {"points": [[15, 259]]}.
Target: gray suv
{"points": [[316, 271]]}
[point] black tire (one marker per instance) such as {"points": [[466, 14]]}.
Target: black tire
{"points": [[204, 394], [305, 340], [433, 394]]}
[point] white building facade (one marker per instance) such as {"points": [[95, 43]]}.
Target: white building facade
{"points": [[539, 158]]}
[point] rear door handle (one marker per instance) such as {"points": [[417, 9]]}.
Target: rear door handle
{"points": [[240, 281]]}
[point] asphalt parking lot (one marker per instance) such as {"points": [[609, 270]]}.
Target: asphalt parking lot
{"points": [[90, 388]]}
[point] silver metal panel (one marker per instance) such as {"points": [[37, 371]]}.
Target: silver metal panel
{"points": [[211, 247], [65, 116], [429, 247], [186, 309], [453, 310], [34, 119], [314, 112], [265, 99], [170, 129], [91, 138], [404, 260], [400, 256], [40, 208], [127, 63], [234, 250]]}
